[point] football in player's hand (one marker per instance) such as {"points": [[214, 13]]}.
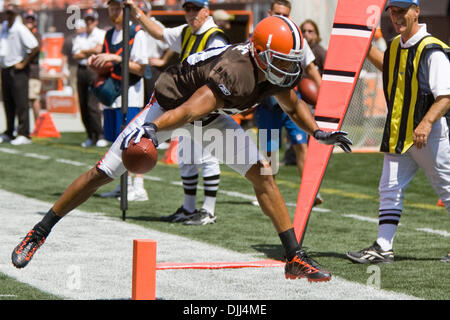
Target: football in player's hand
{"points": [[140, 157], [308, 90], [104, 70]]}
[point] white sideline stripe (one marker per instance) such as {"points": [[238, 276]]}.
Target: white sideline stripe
{"points": [[357, 217], [351, 33], [152, 178], [362, 218], [327, 125], [71, 162], [439, 232], [7, 150], [37, 156], [330, 77]]}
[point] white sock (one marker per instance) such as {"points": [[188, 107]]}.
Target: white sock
{"points": [[138, 183], [388, 222], [386, 233], [211, 185], [209, 204]]}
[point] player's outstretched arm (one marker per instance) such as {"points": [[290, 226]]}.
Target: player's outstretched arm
{"points": [[200, 104], [297, 110], [300, 114]]}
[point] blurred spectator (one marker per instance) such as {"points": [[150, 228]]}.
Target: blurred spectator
{"points": [[312, 35], [85, 45], [109, 91], [222, 19], [15, 58], [159, 55], [199, 33], [35, 84]]}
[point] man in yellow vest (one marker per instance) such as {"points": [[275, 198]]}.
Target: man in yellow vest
{"points": [[199, 33], [416, 82]]}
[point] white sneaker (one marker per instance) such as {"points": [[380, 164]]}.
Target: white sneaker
{"points": [[87, 143], [21, 140], [101, 143], [137, 194], [163, 146], [4, 138]]}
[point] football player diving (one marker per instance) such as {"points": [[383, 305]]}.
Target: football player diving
{"points": [[214, 84]]}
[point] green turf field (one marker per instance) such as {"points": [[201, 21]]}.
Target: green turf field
{"points": [[349, 190]]}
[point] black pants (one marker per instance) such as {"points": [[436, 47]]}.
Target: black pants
{"points": [[15, 99], [91, 114]]}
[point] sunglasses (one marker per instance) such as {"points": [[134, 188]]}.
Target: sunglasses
{"points": [[192, 8]]}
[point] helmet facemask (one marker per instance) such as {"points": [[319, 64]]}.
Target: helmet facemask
{"points": [[280, 69]]}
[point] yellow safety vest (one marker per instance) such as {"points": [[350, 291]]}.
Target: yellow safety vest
{"points": [[192, 43], [407, 104]]}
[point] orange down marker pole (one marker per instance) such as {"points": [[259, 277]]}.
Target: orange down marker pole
{"points": [[144, 269]]}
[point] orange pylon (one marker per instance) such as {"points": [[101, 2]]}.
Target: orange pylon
{"points": [[144, 270], [170, 156], [45, 127]]}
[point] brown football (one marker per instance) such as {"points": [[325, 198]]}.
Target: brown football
{"points": [[140, 157], [308, 90]]}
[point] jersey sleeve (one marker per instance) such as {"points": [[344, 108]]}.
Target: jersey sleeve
{"points": [[28, 39], [439, 70]]}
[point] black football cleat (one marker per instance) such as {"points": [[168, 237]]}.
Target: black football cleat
{"points": [[25, 250], [180, 215], [302, 266], [371, 255]]}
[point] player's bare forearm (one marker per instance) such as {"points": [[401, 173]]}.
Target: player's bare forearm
{"points": [[150, 26], [439, 108], [375, 56], [200, 104], [137, 68], [298, 111]]}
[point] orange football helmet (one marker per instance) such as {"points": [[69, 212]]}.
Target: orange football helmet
{"points": [[277, 47]]}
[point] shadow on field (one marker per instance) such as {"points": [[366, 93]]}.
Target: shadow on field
{"points": [[145, 218], [272, 251], [239, 203]]}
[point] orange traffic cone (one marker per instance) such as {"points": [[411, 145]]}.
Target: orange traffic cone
{"points": [[45, 127], [170, 156], [440, 203]]}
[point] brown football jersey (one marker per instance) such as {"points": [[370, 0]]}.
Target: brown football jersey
{"points": [[228, 71]]}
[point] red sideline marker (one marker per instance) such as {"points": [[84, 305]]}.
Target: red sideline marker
{"points": [[354, 24]]}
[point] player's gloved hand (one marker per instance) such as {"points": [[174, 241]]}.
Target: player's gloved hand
{"points": [[334, 137], [148, 130]]}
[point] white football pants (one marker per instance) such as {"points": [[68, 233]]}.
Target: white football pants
{"points": [[223, 138], [399, 170]]}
